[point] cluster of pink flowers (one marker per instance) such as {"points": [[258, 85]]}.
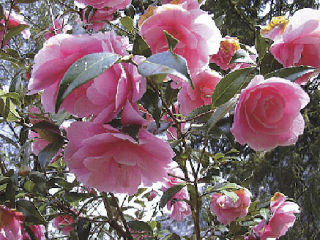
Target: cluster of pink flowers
{"points": [[282, 218], [11, 226], [103, 12], [296, 41], [180, 208], [228, 210]]}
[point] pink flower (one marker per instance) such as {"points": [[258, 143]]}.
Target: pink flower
{"points": [[281, 220], [97, 19], [268, 113], [64, 223], [10, 224], [180, 208], [298, 41], [38, 232], [117, 4], [187, 4], [227, 210], [104, 95], [228, 47], [204, 84], [59, 27], [104, 158], [14, 20], [197, 33]]}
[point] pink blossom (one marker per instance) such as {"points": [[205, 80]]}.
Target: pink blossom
{"points": [[97, 19], [228, 47], [187, 4], [204, 84], [105, 95], [152, 195], [64, 223], [268, 113], [95, 150], [195, 30], [13, 20], [298, 42], [180, 208], [10, 224], [38, 232], [59, 27], [117, 4], [281, 220], [226, 209]]}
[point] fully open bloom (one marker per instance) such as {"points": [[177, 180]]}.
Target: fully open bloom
{"points": [[180, 208], [10, 223], [204, 84], [117, 4], [228, 47], [268, 113], [195, 30], [104, 95], [226, 209], [64, 223], [104, 158], [296, 42], [281, 220]]}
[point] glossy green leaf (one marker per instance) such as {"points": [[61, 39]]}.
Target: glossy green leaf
{"points": [[82, 71], [171, 40], [291, 73], [230, 85], [46, 155], [139, 226], [127, 22], [31, 213], [15, 31], [140, 47], [167, 195], [165, 63], [241, 56]]}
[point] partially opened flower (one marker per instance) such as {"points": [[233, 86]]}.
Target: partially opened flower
{"points": [[195, 30], [10, 224], [204, 83], [117, 4], [268, 113], [59, 27], [64, 223], [228, 210], [297, 41], [228, 47], [281, 220]]}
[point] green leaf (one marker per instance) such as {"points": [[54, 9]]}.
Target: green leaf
{"points": [[265, 213], [83, 228], [261, 45], [165, 63], [231, 195], [219, 113], [31, 213], [230, 85], [269, 64], [170, 94], [167, 196], [171, 40], [151, 102], [241, 56], [140, 47], [46, 155], [82, 71], [291, 73], [225, 186], [139, 226], [15, 31], [127, 22], [172, 236]]}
